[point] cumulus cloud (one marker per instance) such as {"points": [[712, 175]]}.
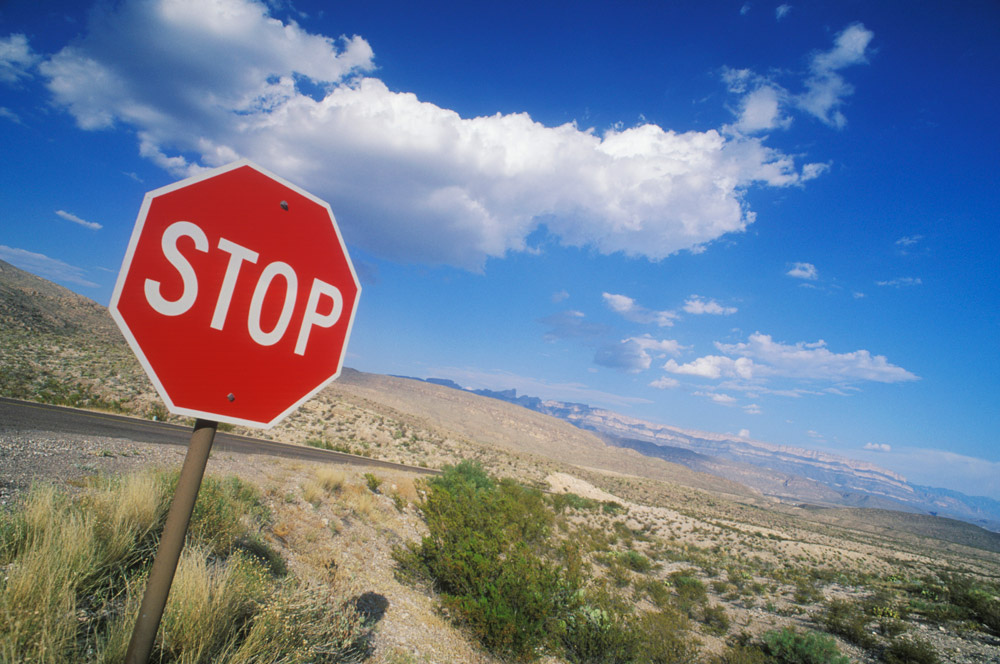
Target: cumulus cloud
{"points": [[878, 447], [44, 266], [744, 433], [68, 216], [202, 83], [630, 310], [697, 305], [16, 58], [803, 271], [826, 89], [635, 354], [814, 361]]}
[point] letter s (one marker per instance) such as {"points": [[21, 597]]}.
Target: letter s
{"points": [[173, 255]]}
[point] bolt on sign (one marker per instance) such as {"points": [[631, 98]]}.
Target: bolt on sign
{"points": [[237, 295]]}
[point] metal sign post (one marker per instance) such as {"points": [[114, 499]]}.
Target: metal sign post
{"points": [[171, 542]]}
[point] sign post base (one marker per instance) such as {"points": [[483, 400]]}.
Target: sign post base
{"points": [[171, 543]]}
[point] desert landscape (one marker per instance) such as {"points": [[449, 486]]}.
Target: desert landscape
{"points": [[665, 563]]}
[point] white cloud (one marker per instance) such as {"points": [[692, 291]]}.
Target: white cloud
{"points": [[878, 447], [761, 110], [752, 409], [696, 305], [68, 216], [813, 361], [900, 282], [744, 433], [201, 83], [714, 366], [10, 115], [745, 9], [782, 11], [763, 99], [803, 271], [16, 58], [630, 310], [559, 296], [635, 354], [44, 266], [909, 240], [665, 383], [826, 89], [717, 397]]}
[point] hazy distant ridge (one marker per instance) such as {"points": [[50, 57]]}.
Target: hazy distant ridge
{"points": [[790, 473]]}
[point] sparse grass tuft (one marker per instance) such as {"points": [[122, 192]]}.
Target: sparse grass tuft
{"points": [[330, 478]]}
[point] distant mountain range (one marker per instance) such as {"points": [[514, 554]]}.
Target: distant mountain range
{"points": [[791, 474]]}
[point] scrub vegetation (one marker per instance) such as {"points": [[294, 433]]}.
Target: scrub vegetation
{"points": [[74, 569]]}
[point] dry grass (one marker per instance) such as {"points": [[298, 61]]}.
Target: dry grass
{"points": [[331, 478]]}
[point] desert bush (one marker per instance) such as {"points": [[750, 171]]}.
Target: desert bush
{"points": [[372, 482], [981, 600], [848, 620], [598, 632], [484, 555], [635, 561], [562, 501], [910, 651], [715, 619], [741, 654], [227, 511], [664, 638], [691, 591], [788, 646]]}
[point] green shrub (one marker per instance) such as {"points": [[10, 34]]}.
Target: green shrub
{"points": [[484, 554], [664, 638], [226, 512], [372, 482], [978, 599], [635, 561], [848, 620], [910, 651], [599, 633], [788, 646], [562, 501], [691, 591], [715, 619]]}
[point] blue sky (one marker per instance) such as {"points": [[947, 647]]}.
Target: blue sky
{"points": [[774, 220]]}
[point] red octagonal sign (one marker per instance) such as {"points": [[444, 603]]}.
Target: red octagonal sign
{"points": [[237, 295]]}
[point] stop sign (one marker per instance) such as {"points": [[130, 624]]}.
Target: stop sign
{"points": [[237, 295]]}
